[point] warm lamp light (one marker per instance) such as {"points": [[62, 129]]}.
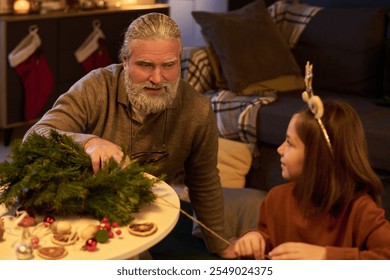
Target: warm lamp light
{"points": [[21, 7]]}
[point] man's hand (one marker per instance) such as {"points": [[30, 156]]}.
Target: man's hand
{"points": [[101, 151], [298, 251]]}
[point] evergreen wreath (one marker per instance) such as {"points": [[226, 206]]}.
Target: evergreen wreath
{"points": [[53, 176]]}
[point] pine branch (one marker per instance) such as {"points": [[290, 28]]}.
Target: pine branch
{"points": [[53, 175]]}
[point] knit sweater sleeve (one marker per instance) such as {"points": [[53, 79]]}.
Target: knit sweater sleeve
{"points": [[202, 174]]}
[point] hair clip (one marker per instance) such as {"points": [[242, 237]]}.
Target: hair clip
{"points": [[315, 103]]}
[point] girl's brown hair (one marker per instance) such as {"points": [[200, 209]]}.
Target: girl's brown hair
{"points": [[328, 183]]}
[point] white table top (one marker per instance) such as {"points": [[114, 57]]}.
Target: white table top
{"points": [[124, 246]]}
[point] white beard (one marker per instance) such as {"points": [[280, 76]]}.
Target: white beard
{"points": [[150, 103]]}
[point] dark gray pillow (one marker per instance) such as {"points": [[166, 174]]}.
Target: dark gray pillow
{"points": [[249, 46]]}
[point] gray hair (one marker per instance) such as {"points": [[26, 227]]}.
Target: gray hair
{"points": [[151, 26]]}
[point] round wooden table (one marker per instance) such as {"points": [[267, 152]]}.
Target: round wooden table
{"points": [[164, 212]]}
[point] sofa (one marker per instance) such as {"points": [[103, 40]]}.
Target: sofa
{"points": [[348, 43]]}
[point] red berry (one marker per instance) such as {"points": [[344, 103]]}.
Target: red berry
{"points": [[110, 234], [115, 224], [118, 232], [107, 226], [105, 220], [34, 241]]}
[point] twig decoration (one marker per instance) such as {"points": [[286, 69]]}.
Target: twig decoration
{"points": [[195, 220]]}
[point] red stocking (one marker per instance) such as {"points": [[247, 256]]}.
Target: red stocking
{"points": [[93, 53], [38, 83], [31, 65], [99, 58]]}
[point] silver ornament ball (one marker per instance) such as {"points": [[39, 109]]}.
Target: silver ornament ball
{"points": [[24, 251]]}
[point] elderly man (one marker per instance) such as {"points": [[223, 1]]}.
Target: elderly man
{"points": [[143, 104]]}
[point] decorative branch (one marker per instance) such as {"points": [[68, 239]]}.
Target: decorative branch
{"points": [[53, 176]]}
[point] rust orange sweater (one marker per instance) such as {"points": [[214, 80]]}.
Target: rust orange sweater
{"points": [[360, 232]]}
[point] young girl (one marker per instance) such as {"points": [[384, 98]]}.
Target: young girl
{"points": [[330, 209]]}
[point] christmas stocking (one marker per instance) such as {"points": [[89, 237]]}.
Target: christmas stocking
{"points": [[93, 53], [31, 65]]}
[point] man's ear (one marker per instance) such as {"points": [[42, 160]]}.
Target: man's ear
{"points": [[124, 63]]}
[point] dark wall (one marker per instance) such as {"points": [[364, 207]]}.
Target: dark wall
{"points": [[235, 4]]}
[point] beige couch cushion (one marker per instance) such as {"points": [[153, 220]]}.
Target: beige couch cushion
{"points": [[234, 162]]}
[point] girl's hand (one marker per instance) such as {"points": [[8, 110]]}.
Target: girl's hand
{"points": [[228, 253], [251, 245], [298, 251]]}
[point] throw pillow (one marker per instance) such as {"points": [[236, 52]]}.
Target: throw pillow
{"points": [[234, 162], [249, 46]]}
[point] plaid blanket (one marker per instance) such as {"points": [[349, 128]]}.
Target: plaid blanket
{"points": [[291, 17], [196, 69], [237, 115]]}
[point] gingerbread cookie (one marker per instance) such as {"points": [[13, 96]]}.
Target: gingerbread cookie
{"points": [[52, 253], [142, 229]]}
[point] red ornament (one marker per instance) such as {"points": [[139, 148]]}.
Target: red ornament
{"points": [[90, 244], [49, 220]]}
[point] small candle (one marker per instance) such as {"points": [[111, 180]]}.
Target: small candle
{"points": [[21, 7]]}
